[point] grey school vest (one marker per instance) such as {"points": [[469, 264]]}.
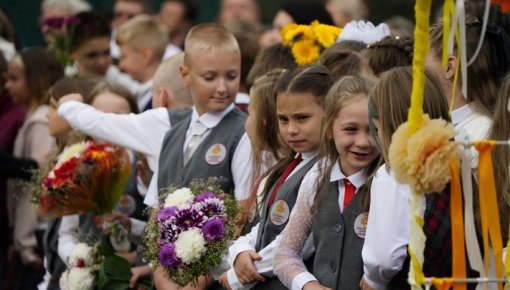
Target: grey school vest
{"points": [[212, 158], [54, 265], [175, 116], [267, 229], [338, 263]]}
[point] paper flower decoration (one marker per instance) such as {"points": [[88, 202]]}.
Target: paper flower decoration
{"points": [[308, 41], [422, 159]]}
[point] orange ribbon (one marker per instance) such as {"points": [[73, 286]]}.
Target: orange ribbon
{"points": [[489, 206], [442, 283], [457, 225]]}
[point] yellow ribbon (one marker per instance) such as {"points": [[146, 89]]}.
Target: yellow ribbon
{"points": [[421, 32], [457, 225], [442, 283], [448, 11], [489, 206]]}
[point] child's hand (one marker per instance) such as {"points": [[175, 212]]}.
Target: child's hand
{"points": [[128, 256], [363, 284], [139, 272], [315, 285], [122, 218], [70, 97], [245, 270], [223, 280], [142, 170]]}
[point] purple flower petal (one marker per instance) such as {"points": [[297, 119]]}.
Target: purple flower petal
{"points": [[167, 213], [214, 229], [204, 196], [168, 257]]}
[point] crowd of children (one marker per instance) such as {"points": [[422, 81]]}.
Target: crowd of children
{"points": [[302, 149]]}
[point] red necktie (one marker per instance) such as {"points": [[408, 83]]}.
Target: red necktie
{"points": [[284, 176], [350, 189]]}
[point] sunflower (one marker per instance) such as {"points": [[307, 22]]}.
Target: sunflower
{"points": [[325, 34], [291, 32], [305, 51]]}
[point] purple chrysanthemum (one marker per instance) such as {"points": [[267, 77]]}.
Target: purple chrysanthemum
{"points": [[168, 257], [203, 196], [188, 218], [166, 213], [212, 207], [214, 229]]}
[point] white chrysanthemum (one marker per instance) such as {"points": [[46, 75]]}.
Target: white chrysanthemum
{"points": [[80, 279], [82, 252], [69, 152], [63, 281], [179, 198], [190, 245]]}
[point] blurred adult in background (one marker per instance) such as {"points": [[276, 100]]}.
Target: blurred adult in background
{"points": [[239, 10], [179, 16], [344, 11], [294, 11]]}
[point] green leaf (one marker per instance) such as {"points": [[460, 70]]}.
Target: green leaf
{"points": [[114, 273]]}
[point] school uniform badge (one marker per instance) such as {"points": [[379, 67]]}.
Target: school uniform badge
{"points": [[280, 213], [216, 154], [360, 225]]}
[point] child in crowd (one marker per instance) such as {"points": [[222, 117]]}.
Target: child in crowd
{"points": [[385, 257], [211, 69], [471, 114], [501, 154], [300, 111], [142, 41], [334, 196], [30, 74], [62, 132], [142, 133], [344, 62], [276, 56], [388, 53]]}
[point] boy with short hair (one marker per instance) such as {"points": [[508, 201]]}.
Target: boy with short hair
{"points": [[142, 41], [211, 141]]}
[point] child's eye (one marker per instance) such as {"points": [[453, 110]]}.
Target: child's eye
{"points": [[208, 78], [232, 77], [282, 119], [350, 129], [302, 118]]}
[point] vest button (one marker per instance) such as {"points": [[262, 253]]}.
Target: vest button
{"points": [[332, 267], [338, 228]]}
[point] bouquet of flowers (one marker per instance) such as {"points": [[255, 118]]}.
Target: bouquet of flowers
{"points": [[97, 267], [59, 32], [189, 232], [308, 41], [88, 177]]}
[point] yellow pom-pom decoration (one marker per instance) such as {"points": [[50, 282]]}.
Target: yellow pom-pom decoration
{"points": [[422, 159]]}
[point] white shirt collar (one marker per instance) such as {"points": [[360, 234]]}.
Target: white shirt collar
{"points": [[210, 120], [357, 179], [307, 156], [462, 113]]}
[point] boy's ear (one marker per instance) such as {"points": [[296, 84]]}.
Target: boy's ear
{"points": [[184, 74], [148, 55], [166, 97]]}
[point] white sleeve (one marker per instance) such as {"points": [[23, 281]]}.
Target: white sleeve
{"points": [[242, 169], [388, 230], [67, 236], [243, 243], [291, 243], [142, 132]]}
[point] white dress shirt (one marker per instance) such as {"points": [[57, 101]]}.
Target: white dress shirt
{"points": [[288, 262], [248, 241], [388, 230], [144, 94], [476, 126]]}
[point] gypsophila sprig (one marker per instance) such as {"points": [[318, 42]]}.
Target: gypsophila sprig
{"points": [[308, 41], [188, 233]]}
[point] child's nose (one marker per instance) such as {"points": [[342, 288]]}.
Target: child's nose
{"points": [[292, 129], [221, 87]]}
